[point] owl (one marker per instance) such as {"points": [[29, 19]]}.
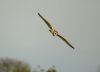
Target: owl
{"points": [[54, 32]]}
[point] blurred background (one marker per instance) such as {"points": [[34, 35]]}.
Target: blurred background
{"points": [[24, 36]]}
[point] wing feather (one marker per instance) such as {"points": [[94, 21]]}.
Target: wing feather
{"points": [[65, 40], [48, 24]]}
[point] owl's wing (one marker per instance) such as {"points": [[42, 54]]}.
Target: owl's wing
{"points": [[48, 24], [65, 40]]}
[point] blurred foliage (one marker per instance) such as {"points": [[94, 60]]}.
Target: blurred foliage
{"points": [[13, 65], [39, 69]]}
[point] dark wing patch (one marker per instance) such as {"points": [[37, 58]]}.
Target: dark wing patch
{"points": [[48, 24], [65, 41]]}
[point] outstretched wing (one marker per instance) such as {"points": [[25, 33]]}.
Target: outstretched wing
{"points": [[65, 40], [48, 24]]}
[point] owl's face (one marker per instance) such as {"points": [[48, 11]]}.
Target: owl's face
{"points": [[54, 32]]}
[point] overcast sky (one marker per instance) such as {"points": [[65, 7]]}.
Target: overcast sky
{"points": [[24, 36]]}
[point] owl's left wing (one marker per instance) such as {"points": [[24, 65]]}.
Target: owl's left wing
{"points": [[65, 40]]}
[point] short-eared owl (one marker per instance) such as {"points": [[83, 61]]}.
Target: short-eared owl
{"points": [[53, 31]]}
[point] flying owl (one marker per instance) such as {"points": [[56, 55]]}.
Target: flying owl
{"points": [[54, 32]]}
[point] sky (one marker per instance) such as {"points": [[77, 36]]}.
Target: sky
{"points": [[24, 36]]}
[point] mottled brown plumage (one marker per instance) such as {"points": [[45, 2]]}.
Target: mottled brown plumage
{"points": [[53, 31]]}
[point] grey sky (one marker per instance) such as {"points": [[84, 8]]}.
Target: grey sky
{"points": [[23, 35]]}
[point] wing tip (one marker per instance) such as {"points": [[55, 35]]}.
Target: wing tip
{"points": [[73, 48], [40, 16], [38, 13]]}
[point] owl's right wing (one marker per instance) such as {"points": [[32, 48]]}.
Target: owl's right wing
{"points": [[48, 24]]}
